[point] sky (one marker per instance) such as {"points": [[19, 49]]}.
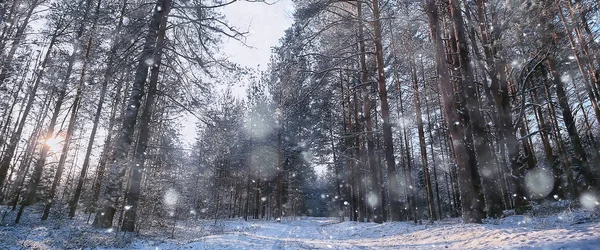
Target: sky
{"points": [[265, 24]]}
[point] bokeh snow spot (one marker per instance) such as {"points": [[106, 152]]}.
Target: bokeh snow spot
{"points": [[487, 172], [589, 201], [171, 197], [373, 199], [307, 156], [257, 127], [539, 182]]}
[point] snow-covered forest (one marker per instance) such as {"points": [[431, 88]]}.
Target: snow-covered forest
{"points": [[465, 124]]}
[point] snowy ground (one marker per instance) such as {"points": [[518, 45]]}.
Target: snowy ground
{"points": [[569, 229]]}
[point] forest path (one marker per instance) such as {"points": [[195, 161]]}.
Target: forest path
{"points": [[567, 230], [519, 232], [299, 233], [293, 233]]}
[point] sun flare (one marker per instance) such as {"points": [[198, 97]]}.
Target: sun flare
{"points": [[54, 142]]}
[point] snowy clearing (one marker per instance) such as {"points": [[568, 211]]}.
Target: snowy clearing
{"points": [[570, 229]]}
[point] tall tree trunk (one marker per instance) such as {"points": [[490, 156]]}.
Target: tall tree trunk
{"points": [[347, 145], [550, 157], [41, 162], [6, 128], [351, 153], [480, 138], [63, 155], [112, 191], [570, 182], [587, 44], [133, 192], [452, 55], [388, 141], [108, 142], [500, 93], [257, 199], [337, 183], [247, 202], [581, 160], [431, 138], [468, 193], [408, 163], [422, 144], [375, 203], [356, 166], [110, 68], [249, 174]]}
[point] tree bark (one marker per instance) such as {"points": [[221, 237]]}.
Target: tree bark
{"points": [[113, 189], [431, 138], [356, 166], [133, 192], [422, 144], [388, 141], [376, 204], [500, 93], [468, 193]]}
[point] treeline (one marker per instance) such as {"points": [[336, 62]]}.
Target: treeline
{"points": [[251, 165], [436, 109]]}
